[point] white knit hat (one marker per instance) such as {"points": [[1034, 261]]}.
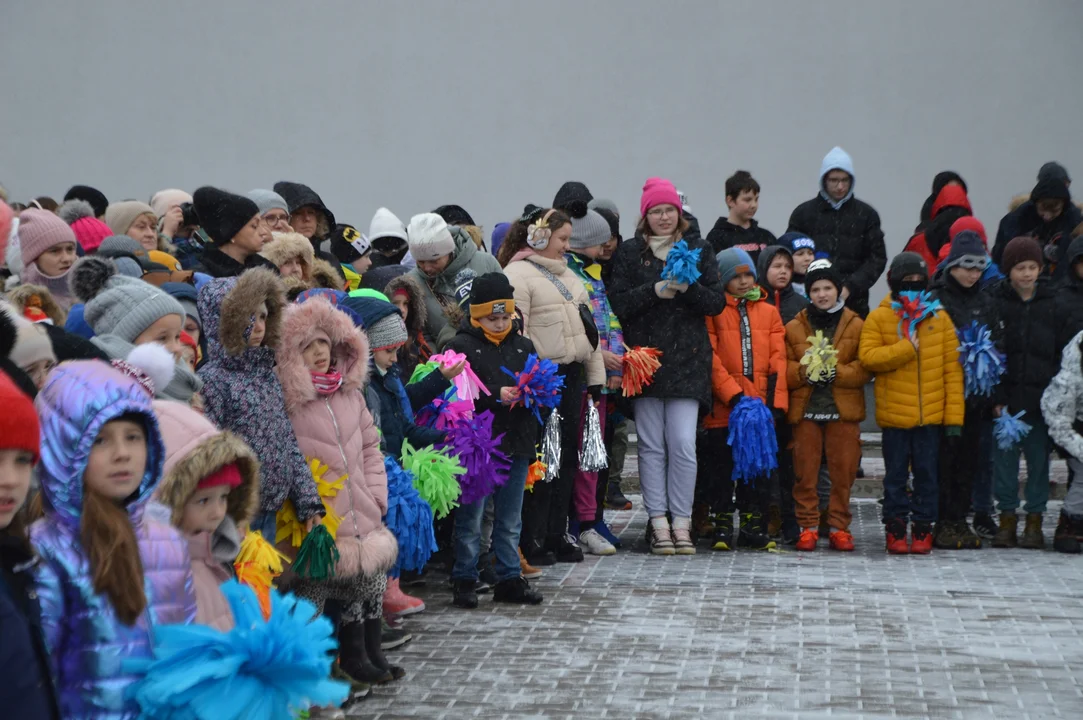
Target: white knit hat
{"points": [[386, 224], [429, 237]]}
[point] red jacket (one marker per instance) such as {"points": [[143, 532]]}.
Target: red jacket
{"points": [[748, 341]]}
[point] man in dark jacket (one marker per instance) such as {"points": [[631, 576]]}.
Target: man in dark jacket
{"points": [[845, 228], [1070, 295], [739, 228], [1048, 216]]}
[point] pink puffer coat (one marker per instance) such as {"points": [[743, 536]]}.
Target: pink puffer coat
{"points": [[338, 430]]}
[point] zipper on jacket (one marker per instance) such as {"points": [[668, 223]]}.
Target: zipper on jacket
{"points": [[345, 466], [746, 342], [921, 401]]}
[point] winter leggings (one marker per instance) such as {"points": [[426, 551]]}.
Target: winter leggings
{"points": [[718, 455], [1035, 447], [1073, 501], [360, 597], [960, 462], [810, 438], [667, 454]]}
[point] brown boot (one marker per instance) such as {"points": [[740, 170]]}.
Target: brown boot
{"points": [[1033, 539], [774, 522], [1006, 536]]}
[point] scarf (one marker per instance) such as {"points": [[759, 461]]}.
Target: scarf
{"points": [[661, 245], [326, 383], [494, 338], [753, 295], [822, 319]]}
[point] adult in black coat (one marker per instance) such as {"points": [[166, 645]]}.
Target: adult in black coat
{"points": [[1070, 295], [234, 224], [1050, 217], [787, 300], [846, 228]]}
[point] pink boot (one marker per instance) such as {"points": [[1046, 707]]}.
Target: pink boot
{"points": [[396, 602]]}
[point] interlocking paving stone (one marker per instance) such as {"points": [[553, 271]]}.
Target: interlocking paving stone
{"points": [[958, 634]]}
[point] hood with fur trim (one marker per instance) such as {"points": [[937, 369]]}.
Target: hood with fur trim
{"points": [[228, 306], [195, 448], [324, 275], [287, 246], [416, 314], [37, 296], [349, 349]]}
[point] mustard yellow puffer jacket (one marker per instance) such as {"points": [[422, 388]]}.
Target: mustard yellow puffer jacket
{"points": [[913, 387]]}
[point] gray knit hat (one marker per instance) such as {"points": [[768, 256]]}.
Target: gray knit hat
{"points": [[119, 305], [589, 231], [387, 332], [268, 200]]}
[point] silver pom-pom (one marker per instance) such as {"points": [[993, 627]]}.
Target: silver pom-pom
{"points": [[592, 455], [550, 448]]}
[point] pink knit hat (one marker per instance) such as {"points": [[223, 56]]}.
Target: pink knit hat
{"points": [[658, 191], [89, 230], [40, 230]]}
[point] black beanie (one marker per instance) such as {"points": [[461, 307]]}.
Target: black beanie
{"points": [[345, 241], [1050, 189], [222, 214], [905, 263], [94, 196], [489, 287], [572, 198], [822, 269], [455, 215]]}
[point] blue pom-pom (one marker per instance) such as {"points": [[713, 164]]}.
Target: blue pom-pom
{"points": [[409, 518], [261, 668], [682, 264], [539, 384], [982, 363], [1010, 429], [752, 437]]}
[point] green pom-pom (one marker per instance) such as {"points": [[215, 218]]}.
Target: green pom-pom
{"points": [[317, 555], [434, 477], [421, 372]]}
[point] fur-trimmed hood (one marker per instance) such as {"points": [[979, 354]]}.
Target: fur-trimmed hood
{"points": [[195, 448], [1018, 200], [40, 297], [324, 275], [416, 314], [228, 305], [349, 349], [287, 246]]}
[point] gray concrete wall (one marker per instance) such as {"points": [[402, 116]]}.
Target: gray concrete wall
{"points": [[416, 103]]}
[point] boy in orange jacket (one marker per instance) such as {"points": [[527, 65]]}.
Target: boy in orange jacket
{"points": [[749, 346], [919, 390]]}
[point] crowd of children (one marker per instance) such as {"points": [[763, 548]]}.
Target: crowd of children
{"points": [[210, 378]]}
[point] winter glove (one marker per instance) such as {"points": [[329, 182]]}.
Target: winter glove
{"points": [[664, 290], [953, 431], [825, 380], [736, 399]]}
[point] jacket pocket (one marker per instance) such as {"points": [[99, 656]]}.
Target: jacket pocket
{"points": [[547, 332]]}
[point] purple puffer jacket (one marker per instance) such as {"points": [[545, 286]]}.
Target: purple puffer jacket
{"points": [[241, 392], [86, 641]]}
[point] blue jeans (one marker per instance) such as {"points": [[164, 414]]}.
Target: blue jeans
{"points": [[904, 450], [507, 524], [265, 523], [983, 480]]}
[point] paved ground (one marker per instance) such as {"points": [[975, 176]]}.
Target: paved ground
{"points": [[978, 634]]}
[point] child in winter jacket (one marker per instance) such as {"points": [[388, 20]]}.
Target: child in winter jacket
{"points": [[803, 251], [749, 351], [48, 253], [774, 270], [589, 235], [323, 365], [919, 395], [825, 410], [1062, 408], [109, 573], [27, 690], [211, 488], [958, 287], [1026, 305], [242, 321], [490, 343]]}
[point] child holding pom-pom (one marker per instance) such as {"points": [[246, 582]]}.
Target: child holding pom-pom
{"points": [[913, 353], [749, 345], [827, 404], [109, 573], [491, 344], [323, 365]]}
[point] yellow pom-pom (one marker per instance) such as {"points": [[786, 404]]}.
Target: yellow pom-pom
{"points": [[820, 357], [257, 565]]}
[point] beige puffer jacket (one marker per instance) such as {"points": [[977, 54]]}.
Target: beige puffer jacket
{"points": [[552, 323]]}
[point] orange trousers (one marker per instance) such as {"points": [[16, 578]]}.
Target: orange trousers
{"points": [[842, 441]]}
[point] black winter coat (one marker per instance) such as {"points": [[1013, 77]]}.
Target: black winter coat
{"points": [[397, 409], [1030, 342], [1069, 302], [677, 327], [725, 235], [27, 687], [788, 301], [852, 238], [521, 429], [217, 264], [1054, 237], [964, 306]]}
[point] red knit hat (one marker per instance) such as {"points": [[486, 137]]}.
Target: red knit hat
{"points": [[225, 475], [19, 422], [90, 232], [968, 222]]}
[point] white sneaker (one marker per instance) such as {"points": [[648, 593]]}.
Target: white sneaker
{"points": [[592, 541]]}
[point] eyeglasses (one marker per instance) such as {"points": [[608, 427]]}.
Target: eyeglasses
{"points": [[274, 220], [837, 182], [660, 212]]}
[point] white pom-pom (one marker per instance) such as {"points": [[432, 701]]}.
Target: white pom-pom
{"points": [[156, 361]]}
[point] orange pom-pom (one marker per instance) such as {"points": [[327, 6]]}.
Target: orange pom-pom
{"points": [[535, 473], [639, 366]]}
